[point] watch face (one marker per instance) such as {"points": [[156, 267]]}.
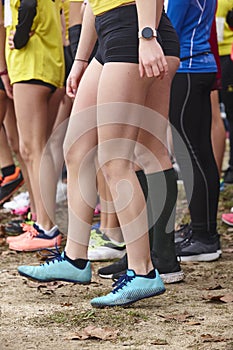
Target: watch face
{"points": [[147, 33]]}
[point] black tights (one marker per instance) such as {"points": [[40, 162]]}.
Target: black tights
{"points": [[190, 115], [227, 96]]}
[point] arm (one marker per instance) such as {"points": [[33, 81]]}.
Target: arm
{"points": [[229, 18], [27, 12], [3, 67], [86, 44], [152, 61]]}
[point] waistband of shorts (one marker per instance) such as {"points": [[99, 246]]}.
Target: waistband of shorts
{"points": [[133, 3]]}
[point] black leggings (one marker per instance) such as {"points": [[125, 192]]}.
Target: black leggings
{"points": [[190, 114], [227, 96]]}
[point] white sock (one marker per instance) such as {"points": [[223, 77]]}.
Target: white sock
{"points": [[49, 233]]}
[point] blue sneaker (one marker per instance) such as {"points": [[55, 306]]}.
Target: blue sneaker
{"points": [[131, 288], [57, 269]]}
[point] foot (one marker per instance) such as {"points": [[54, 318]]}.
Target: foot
{"points": [[193, 249], [117, 269], [103, 248], [35, 239], [228, 176], [10, 184], [57, 269], [184, 232], [131, 288], [228, 219]]}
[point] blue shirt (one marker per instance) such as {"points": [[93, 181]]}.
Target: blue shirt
{"points": [[192, 20]]}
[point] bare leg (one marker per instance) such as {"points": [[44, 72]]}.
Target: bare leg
{"points": [[109, 223], [114, 87], [78, 142], [34, 113], [13, 139], [6, 158]]}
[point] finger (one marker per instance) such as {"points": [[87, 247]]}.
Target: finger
{"points": [[149, 70], [69, 91], [141, 70], [155, 71], [165, 65]]}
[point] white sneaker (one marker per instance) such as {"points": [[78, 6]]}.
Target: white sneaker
{"points": [[61, 192], [19, 201], [102, 248]]}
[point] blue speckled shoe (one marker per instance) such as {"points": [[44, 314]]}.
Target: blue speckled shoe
{"points": [[131, 288], [57, 269]]}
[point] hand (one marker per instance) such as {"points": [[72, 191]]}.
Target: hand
{"points": [[74, 77], [152, 62], [11, 40], [8, 87]]}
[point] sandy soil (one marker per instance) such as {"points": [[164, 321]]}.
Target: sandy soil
{"points": [[195, 314]]}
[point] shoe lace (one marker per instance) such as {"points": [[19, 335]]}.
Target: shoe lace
{"points": [[184, 231], [121, 282], [31, 230], [54, 255]]}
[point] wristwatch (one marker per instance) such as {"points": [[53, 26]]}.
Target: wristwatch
{"points": [[147, 33]]}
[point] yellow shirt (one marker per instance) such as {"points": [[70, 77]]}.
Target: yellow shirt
{"points": [[42, 57], [224, 45], [100, 6], [65, 5]]}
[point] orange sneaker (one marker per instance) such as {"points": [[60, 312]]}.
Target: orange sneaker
{"points": [[26, 227], [10, 184], [35, 239]]}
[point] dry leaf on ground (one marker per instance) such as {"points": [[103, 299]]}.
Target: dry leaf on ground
{"points": [[91, 332]]}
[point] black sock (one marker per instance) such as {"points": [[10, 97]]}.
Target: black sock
{"points": [[79, 263], [8, 170], [162, 188], [144, 186], [151, 274]]}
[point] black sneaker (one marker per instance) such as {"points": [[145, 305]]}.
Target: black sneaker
{"points": [[184, 232], [119, 268], [10, 184], [228, 176], [15, 227], [194, 250]]}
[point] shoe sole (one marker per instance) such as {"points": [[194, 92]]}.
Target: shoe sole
{"points": [[167, 278], [51, 280], [105, 276], [130, 302], [10, 195], [227, 222], [200, 257], [172, 277], [33, 250], [118, 256]]}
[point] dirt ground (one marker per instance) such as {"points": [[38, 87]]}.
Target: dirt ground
{"points": [[195, 314]]}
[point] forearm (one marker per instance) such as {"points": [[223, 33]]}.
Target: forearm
{"points": [[149, 13], [88, 35], [26, 14], [2, 41], [76, 13]]}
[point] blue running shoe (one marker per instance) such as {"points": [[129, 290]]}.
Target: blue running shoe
{"points": [[131, 288], [57, 268]]}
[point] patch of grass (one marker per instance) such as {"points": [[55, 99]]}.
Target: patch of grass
{"points": [[117, 318]]}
